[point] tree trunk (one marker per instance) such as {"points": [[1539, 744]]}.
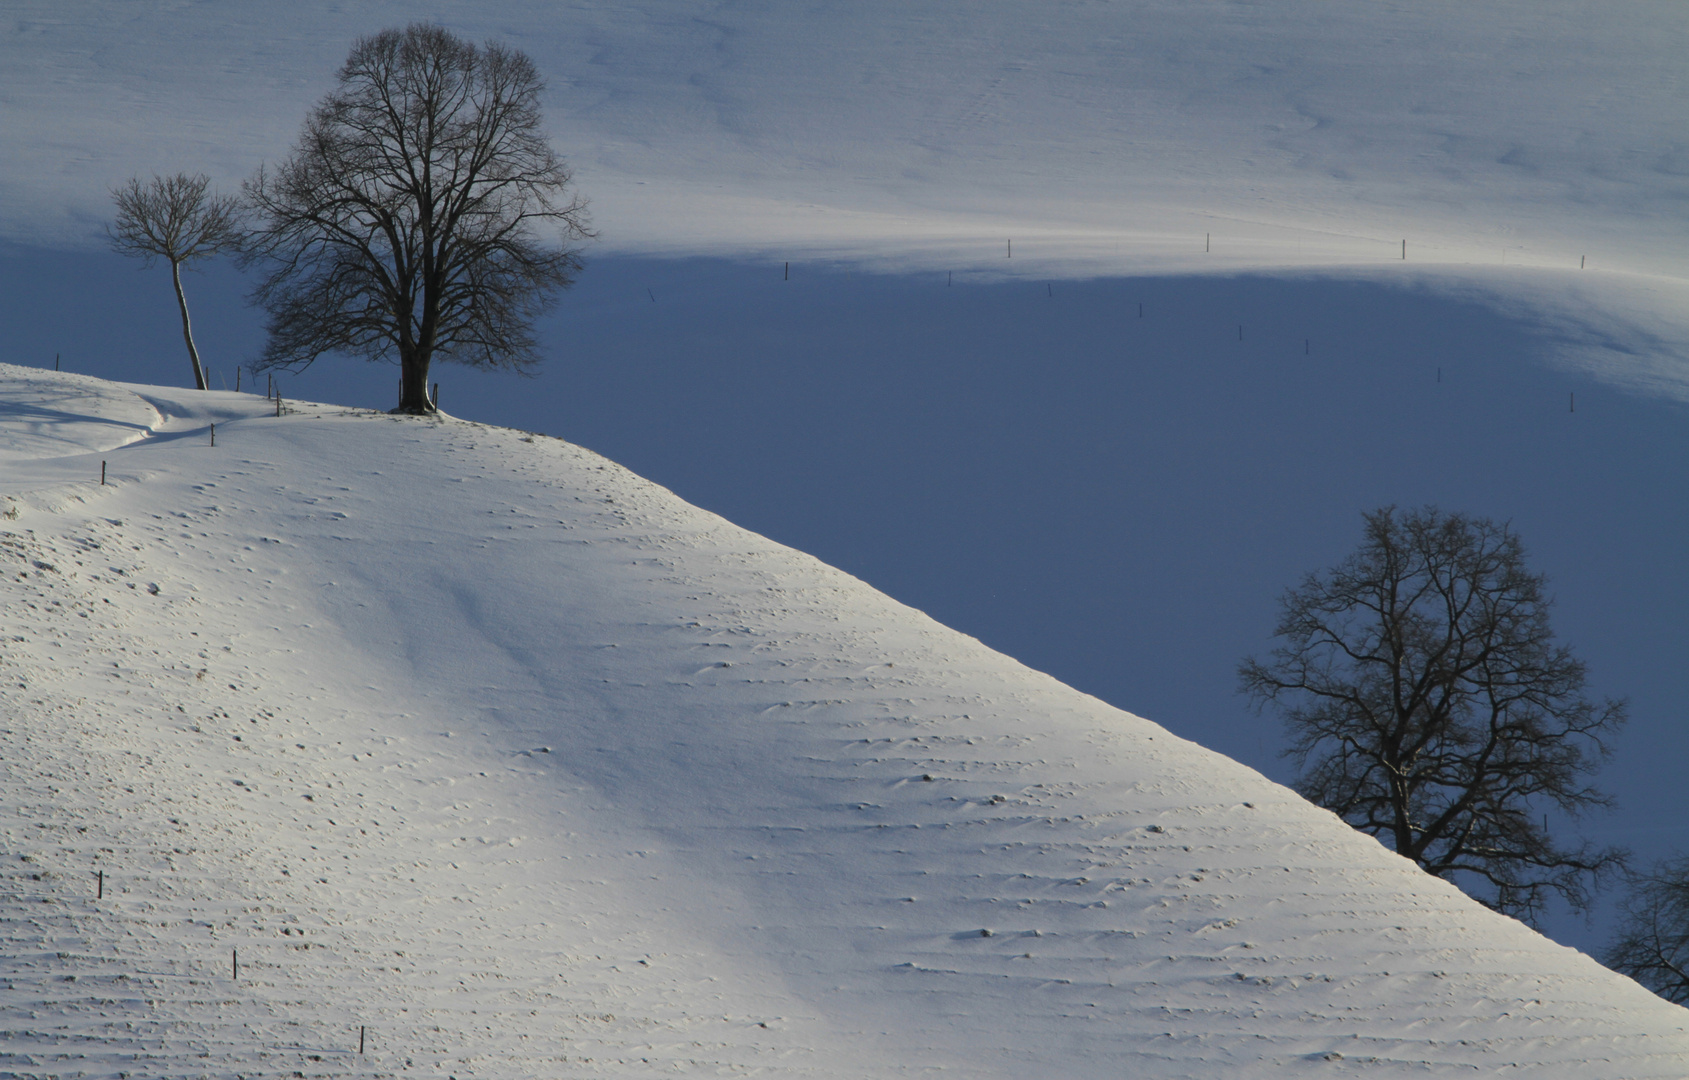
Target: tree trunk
{"points": [[187, 330], [413, 385]]}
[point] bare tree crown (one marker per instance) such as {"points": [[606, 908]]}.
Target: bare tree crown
{"points": [[421, 214], [179, 218], [1429, 705], [174, 217]]}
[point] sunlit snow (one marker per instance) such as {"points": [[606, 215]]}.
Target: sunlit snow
{"points": [[478, 742], [474, 746]]}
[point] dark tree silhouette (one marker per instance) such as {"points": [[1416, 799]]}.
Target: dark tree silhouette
{"points": [[421, 215], [180, 219], [1427, 704], [1652, 945]]}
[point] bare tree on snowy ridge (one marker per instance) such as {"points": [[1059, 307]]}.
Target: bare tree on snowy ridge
{"points": [[421, 215], [178, 218], [1429, 706]]}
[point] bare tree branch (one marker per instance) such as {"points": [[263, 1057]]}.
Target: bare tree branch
{"points": [[178, 218], [422, 214], [1428, 705], [1652, 945]]}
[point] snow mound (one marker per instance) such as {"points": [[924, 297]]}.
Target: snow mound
{"points": [[477, 746], [56, 414]]}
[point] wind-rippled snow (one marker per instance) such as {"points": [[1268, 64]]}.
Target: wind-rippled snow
{"points": [[478, 741]]}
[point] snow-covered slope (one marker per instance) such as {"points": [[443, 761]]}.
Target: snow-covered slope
{"points": [[480, 743]]}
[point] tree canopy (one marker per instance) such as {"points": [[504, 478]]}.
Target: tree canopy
{"points": [[1428, 704], [422, 214]]}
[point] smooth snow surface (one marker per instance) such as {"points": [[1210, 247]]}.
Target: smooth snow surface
{"points": [[1299, 130], [478, 741], [1532, 151]]}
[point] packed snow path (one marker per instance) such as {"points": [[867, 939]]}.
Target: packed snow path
{"points": [[478, 742]]}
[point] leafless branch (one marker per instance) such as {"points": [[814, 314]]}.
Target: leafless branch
{"points": [[421, 216], [1428, 705], [1652, 945], [179, 218]]}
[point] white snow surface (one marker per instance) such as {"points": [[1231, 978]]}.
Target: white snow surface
{"points": [[476, 741], [1547, 125], [1550, 127], [1533, 152]]}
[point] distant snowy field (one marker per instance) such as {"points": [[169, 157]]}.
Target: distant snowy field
{"points": [[478, 742], [1551, 129], [1508, 143]]}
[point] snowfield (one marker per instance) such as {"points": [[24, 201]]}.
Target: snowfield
{"points": [[1531, 153], [1517, 131], [478, 744]]}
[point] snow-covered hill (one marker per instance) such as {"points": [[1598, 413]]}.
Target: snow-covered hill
{"points": [[481, 744], [478, 743]]}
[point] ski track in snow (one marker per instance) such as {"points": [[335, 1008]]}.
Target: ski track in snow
{"points": [[480, 742]]}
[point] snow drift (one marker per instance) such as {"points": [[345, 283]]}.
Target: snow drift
{"points": [[475, 745]]}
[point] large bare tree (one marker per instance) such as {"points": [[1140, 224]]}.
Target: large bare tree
{"points": [[180, 219], [1428, 704], [422, 214]]}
